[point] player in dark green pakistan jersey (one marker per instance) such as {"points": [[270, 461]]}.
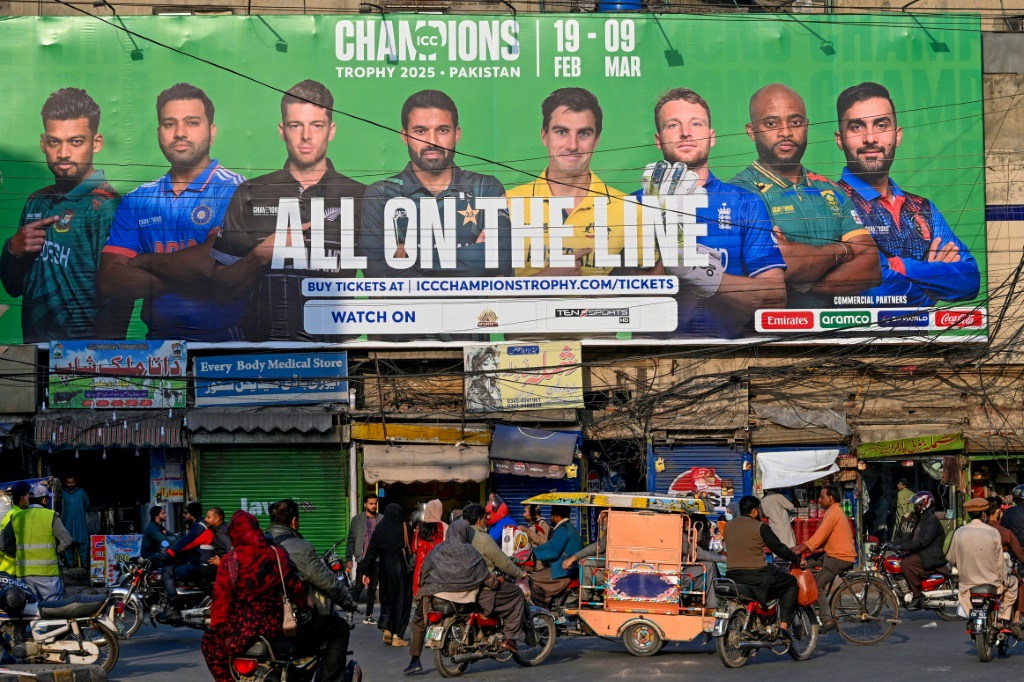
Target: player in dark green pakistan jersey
{"points": [[51, 261]]}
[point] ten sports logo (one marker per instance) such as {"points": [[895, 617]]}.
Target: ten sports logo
{"points": [[621, 313]]}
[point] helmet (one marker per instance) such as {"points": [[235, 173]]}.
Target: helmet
{"points": [[1018, 493], [923, 499]]}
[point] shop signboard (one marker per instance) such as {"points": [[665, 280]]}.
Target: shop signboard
{"points": [[920, 445], [117, 374], [166, 478], [502, 253], [106, 551], [523, 376], [272, 379]]}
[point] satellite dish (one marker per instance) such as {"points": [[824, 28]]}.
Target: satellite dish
{"points": [[933, 468]]}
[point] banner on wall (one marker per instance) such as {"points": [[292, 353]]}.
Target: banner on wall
{"points": [[130, 374], [509, 220], [527, 376]]}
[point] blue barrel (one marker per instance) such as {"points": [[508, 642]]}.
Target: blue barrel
{"points": [[621, 6]]}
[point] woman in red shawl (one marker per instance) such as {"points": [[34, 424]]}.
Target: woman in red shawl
{"points": [[428, 535], [247, 602]]}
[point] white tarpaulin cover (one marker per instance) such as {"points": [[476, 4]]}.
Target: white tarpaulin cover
{"points": [[411, 462], [793, 467]]}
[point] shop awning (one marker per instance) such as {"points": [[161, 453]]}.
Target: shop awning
{"points": [[88, 428], [249, 420], [793, 467], [519, 444], [411, 462]]}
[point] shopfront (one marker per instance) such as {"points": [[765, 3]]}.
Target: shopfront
{"points": [[717, 474], [932, 463], [249, 460], [109, 454], [527, 462], [411, 464], [799, 473]]}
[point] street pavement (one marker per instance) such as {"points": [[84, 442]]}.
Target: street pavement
{"points": [[921, 648]]}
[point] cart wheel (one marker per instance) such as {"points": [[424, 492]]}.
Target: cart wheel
{"points": [[642, 639]]}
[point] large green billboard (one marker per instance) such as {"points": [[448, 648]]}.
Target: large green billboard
{"points": [[615, 177]]}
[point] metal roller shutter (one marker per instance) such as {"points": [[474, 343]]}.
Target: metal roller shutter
{"points": [[514, 489], [726, 462], [316, 479]]}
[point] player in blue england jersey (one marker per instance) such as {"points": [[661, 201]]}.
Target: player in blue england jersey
{"points": [[745, 269], [159, 245], [923, 262]]}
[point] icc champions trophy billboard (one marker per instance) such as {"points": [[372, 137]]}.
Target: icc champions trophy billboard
{"points": [[488, 179]]}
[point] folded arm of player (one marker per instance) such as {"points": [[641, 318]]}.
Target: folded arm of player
{"points": [[950, 272], [861, 270], [184, 270]]}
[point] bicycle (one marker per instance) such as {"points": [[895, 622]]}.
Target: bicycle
{"points": [[863, 607]]}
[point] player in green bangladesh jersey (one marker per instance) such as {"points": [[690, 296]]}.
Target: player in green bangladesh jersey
{"points": [[51, 260], [828, 252]]}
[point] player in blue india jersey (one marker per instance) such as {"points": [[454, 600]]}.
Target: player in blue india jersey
{"points": [[159, 245]]}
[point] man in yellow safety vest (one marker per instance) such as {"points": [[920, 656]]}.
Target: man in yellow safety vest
{"points": [[35, 535], [19, 494]]}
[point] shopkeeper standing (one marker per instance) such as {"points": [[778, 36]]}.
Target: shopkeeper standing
{"points": [[836, 537]]}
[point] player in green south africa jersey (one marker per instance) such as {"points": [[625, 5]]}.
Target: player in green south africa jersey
{"points": [[51, 260], [828, 252]]}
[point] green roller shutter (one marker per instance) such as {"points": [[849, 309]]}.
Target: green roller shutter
{"points": [[257, 477]]}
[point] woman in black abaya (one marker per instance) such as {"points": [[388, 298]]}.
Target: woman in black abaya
{"points": [[388, 545]]}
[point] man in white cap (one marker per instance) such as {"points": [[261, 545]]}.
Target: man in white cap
{"points": [[35, 536], [977, 552]]}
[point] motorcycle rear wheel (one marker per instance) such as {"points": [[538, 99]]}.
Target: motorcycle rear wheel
{"points": [[544, 630], [449, 648], [728, 644], [981, 641], [105, 639]]}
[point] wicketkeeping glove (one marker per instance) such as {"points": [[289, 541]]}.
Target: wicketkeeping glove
{"points": [[664, 179], [702, 281]]}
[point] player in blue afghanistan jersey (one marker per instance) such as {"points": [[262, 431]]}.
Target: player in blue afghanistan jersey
{"points": [[159, 245], [828, 253], [923, 262], [51, 260], [745, 268]]}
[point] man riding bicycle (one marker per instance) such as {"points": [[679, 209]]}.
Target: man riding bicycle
{"points": [[746, 537], [836, 537]]}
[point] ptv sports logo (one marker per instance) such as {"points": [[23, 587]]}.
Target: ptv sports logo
{"points": [[702, 483]]}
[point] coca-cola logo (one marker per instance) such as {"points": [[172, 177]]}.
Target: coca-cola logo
{"points": [[958, 318]]}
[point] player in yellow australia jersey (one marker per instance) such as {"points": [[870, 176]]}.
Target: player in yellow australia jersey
{"points": [[583, 221]]}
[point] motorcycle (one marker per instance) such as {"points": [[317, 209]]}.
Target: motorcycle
{"points": [[145, 595], [743, 627], [981, 623], [459, 634], [284, 659], [941, 588], [78, 630]]}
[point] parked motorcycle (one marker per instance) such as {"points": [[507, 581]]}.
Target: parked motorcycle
{"points": [[981, 623], [743, 627], [145, 595], [77, 630], [459, 634], [941, 588]]}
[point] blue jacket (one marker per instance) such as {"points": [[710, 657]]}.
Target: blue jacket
{"points": [[495, 530], [565, 541]]}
